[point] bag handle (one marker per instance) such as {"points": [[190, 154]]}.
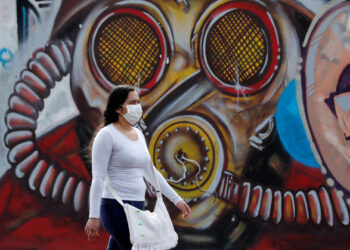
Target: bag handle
{"points": [[114, 193]]}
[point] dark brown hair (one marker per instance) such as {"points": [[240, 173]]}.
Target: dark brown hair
{"points": [[116, 99]]}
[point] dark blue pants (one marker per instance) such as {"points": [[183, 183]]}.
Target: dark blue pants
{"points": [[114, 221]]}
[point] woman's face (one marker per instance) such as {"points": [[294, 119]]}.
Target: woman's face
{"points": [[132, 99]]}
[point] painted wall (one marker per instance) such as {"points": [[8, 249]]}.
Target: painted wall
{"points": [[246, 113]]}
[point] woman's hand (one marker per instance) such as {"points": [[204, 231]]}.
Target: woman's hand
{"points": [[185, 209], [93, 228]]}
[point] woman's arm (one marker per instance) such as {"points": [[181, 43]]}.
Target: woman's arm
{"points": [[165, 188], [101, 153]]}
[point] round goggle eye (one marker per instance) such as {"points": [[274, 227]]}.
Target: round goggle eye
{"points": [[239, 48], [128, 47]]}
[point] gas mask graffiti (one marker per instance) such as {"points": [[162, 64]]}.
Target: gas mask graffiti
{"points": [[210, 76], [206, 91]]}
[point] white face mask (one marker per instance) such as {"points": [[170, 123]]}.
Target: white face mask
{"points": [[133, 114]]}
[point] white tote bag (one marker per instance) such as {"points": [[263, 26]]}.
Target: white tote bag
{"points": [[148, 230]]}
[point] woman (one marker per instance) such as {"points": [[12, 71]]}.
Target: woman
{"points": [[119, 150]]}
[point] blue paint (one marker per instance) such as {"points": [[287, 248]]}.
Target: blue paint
{"points": [[24, 22], [6, 57], [290, 127]]}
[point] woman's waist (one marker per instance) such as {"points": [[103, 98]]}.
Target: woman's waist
{"points": [[132, 189], [112, 201]]}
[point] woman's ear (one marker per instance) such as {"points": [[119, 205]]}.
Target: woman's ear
{"points": [[119, 110]]}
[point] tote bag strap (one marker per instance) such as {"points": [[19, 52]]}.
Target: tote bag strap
{"points": [[112, 190]]}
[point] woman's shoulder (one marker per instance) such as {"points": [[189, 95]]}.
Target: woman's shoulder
{"points": [[105, 131]]}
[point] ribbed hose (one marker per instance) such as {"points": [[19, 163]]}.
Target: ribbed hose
{"points": [[302, 207], [46, 67]]}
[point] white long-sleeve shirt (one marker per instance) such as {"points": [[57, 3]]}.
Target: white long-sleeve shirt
{"points": [[126, 162]]}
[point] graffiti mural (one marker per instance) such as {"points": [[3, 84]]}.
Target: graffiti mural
{"points": [[246, 115]]}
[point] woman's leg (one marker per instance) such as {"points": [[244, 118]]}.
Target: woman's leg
{"points": [[112, 244], [114, 221]]}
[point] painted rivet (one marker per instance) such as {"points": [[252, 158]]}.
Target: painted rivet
{"points": [[340, 193], [330, 182]]}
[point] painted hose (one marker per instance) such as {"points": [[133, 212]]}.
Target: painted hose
{"points": [[315, 206], [47, 66]]}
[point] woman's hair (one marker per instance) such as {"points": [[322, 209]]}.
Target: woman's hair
{"points": [[116, 99]]}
